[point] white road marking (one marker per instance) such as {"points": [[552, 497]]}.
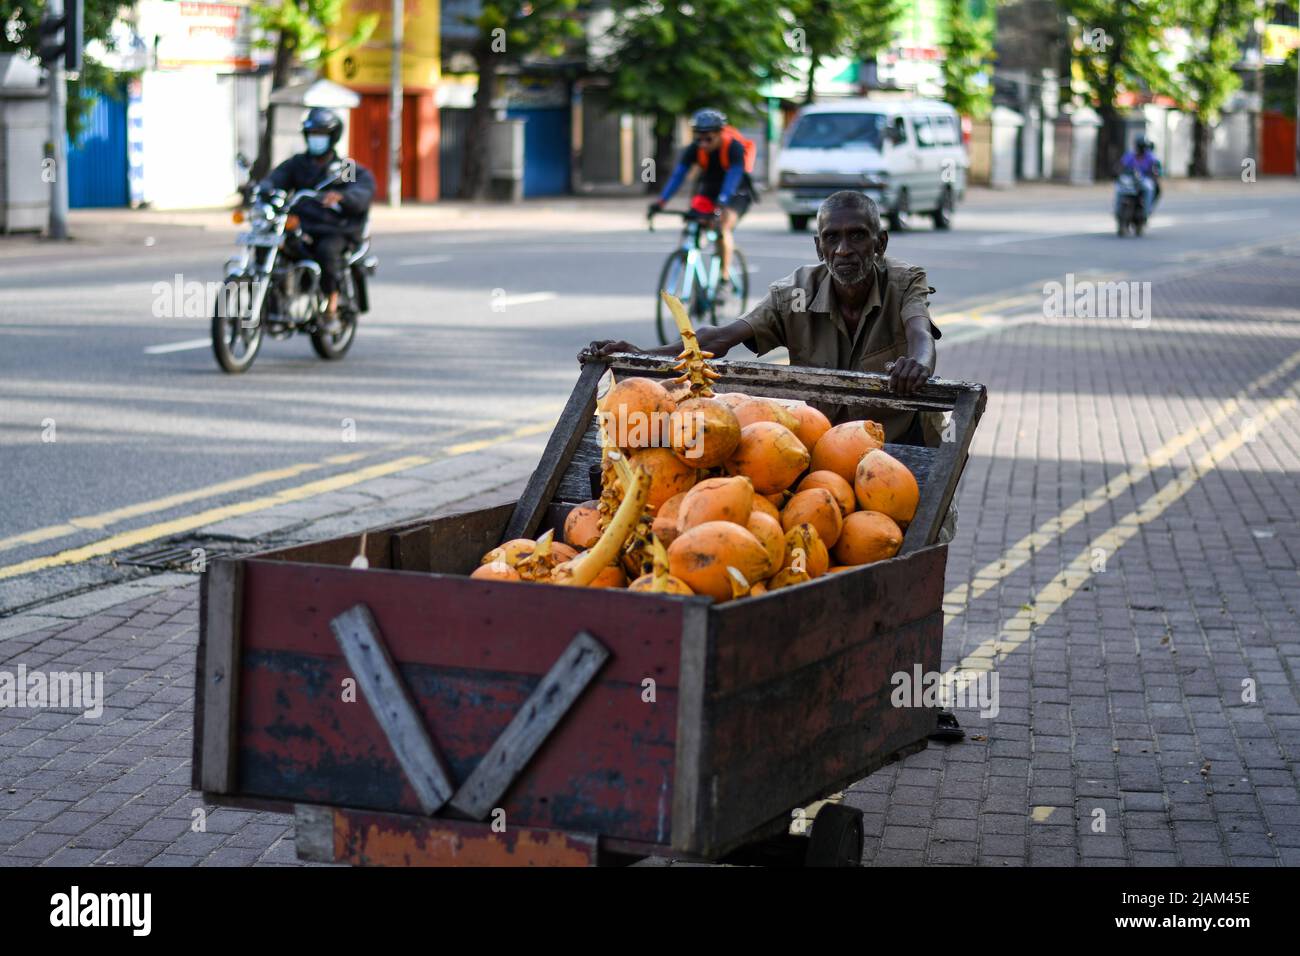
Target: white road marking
{"points": [[1027, 237], [422, 260], [178, 346], [509, 300]]}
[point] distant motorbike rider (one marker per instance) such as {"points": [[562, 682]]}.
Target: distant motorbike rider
{"points": [[334, 222], [1142, 163]]}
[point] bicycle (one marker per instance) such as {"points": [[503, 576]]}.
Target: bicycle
{"points": [[692, 273]]}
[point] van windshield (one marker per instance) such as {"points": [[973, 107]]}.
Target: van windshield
{"points": [[838, 130]]}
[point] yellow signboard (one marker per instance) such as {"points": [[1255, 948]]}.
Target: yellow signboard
{"points": [[1279, 41], [369, 65]]}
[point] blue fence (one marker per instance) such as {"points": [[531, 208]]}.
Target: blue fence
{"points": [[97, 160], [546, 150]]}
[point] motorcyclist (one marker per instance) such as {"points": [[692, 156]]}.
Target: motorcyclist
{"points": [[334, 222], [1142, 163]]}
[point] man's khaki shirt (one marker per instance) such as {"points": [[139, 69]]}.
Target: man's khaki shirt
{"points": [[800, 313]]}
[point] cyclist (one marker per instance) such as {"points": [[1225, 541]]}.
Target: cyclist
{"points": [[724, 187]]}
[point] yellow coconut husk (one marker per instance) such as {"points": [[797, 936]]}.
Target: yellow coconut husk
{"points": [[583, 569]]}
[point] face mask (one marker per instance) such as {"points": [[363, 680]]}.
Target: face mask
{"points": [[318, 145]]}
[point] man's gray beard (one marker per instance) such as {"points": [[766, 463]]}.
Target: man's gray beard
{"points": [[858, 278]]}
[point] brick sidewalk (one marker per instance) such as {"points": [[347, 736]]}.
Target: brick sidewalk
{"points": [[1122, 735], [1126, 700]]}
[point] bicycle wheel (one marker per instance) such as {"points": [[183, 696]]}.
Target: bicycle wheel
{"points": [[670, 281], [738, 295]]}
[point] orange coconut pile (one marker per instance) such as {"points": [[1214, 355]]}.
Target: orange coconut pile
{"points": [[747, 495]]}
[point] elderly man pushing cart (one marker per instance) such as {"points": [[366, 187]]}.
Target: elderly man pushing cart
{"points": [[856, 309]]}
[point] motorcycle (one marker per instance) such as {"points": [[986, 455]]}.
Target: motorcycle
{"points": [[272, 287], [1130, 214]]}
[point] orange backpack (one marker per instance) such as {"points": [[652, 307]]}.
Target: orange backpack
{"points": [[730, 133]]}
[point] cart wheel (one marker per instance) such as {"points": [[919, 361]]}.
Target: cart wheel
{"points": [[836, 837]]}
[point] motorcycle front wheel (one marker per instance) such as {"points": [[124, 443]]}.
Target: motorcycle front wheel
{"points": [[335, 346], [236, 339]]}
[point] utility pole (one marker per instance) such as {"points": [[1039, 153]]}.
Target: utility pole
{"points": [[395, 113], [58, 101]]}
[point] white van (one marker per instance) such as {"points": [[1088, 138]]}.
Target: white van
{"points": [[907, 155]]}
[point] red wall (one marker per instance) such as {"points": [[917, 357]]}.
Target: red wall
{"points": [[368, 143], [1278, 154]]}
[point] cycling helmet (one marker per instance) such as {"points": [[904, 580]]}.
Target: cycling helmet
{"points": [[321, 120], [707, 120]]}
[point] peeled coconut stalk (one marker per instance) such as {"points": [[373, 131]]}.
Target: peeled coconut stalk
{"points": [[538, 565], [361, 561], [583, 570], [610, 491], [739, 583], [661, 581], [695, 370]]}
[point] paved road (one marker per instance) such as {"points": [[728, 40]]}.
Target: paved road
{"points": [[139, 412], [1125, 563]]}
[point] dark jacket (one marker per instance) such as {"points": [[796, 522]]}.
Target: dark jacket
{"points": [[303, 171]]}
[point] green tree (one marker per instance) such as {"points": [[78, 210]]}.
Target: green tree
{"points": [[1116, 47], [507, 33], [967, 57], [1218, 28], [830, 28], [671, 58], [299, 32], [19, 23]]}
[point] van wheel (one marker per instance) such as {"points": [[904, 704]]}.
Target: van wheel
{"points": [[900, 216], [943, 215], [799, 223]]}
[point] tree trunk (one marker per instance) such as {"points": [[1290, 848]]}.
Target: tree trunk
{"points": [[1200, 148], [1110, 141], [279, 77], [810, 94], [665, 161], [474, 180]]}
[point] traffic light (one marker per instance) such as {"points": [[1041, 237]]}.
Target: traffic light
{"points": [[62, 36]]}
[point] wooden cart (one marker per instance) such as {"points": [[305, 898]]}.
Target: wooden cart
{"points": [[410, 715]]}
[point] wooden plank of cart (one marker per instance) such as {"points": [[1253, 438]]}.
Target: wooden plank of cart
{"points": [[410, 715]]}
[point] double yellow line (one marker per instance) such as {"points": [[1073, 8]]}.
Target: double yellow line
{"points": [[174, 526], [1051, 597]]}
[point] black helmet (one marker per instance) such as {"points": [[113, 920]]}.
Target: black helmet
{"points": [[321, 120], [1144, 143], [707, 120]]}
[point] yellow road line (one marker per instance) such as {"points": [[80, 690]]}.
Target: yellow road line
{"points": [[1065, 584], [166, 529], [104, 519], [1020, 553]]}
